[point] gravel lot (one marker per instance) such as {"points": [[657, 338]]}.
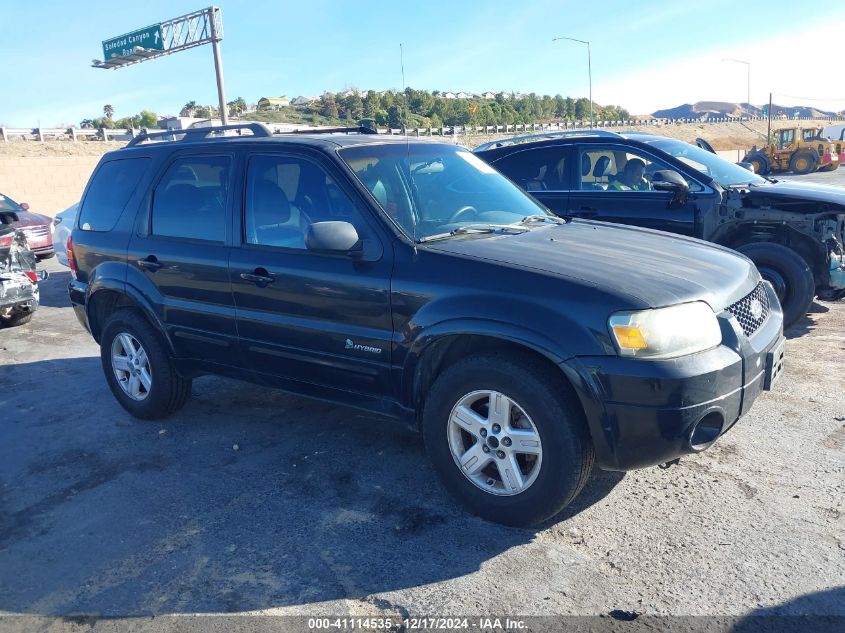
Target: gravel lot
{"points": [[256, 501]]}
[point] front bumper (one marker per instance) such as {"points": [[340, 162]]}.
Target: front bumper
{"points": [[644, 412]]}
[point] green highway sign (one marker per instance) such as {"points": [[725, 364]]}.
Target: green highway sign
{"points": [[149, 37]]}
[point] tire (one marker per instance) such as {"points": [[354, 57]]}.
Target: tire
{"points": [[760, 163], [803, 163], [18, 318], [552, 478], [789, 274], [165, 392]]}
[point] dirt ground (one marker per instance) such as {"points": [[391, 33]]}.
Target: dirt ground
{"points": [[252, 502]]}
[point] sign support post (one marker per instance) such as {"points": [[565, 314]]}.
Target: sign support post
{"points": [[218, 70]]}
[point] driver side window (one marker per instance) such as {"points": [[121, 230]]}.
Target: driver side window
{"points": [[620, 169], [285, 195]]}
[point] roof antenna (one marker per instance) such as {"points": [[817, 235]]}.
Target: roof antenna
{"points": [[408, 148]]}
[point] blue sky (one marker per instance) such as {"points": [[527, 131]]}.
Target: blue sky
{"points": [[645, 55]]}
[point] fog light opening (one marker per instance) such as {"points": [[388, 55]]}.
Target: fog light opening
{"points": [[706, 431]]}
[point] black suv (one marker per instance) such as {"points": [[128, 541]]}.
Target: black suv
{"points": [[793, 232], [411, 279]]}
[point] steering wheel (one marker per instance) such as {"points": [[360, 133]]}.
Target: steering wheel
{"points": [[456, 216]]}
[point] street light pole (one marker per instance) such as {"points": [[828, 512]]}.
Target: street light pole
{"points": [[748, 76], [589, 70]]}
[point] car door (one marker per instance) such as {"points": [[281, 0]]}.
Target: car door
{"points": [[544, 172], [179, 254], [603, 193], [312, 317]]}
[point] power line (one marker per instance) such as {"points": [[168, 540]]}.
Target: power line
{"points": [[778, 94]]}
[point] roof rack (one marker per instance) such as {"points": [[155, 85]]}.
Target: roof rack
{"points": [[544, 135], [258, 129]]}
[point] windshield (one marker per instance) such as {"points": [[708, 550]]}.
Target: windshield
{"points": [[7, 204], [722, 171], [432, 189]]}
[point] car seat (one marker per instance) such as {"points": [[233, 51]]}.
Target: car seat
{"points": [[271, 213]]}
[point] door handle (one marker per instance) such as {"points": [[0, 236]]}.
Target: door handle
{"points": [[149, 263], [259, 276]]}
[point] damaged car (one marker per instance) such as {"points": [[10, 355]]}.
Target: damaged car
{"points": [[793, 232], [19, 279]]}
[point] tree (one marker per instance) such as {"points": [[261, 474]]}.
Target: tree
{"points": [[372, 104], [328, 105], [582, 109], [203, 112], [108, 110], [147, 119], [352, 107], [86, 123], [237, 107], [189, 109], [394, 117]]}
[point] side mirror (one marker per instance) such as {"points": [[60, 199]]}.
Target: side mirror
{"points": [[8, 217], [334, 237], [24, 206], [42, 275], [671, 181]]}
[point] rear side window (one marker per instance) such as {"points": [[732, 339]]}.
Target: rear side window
{"points": [[109, 191], [190, 200], [539, 169]]}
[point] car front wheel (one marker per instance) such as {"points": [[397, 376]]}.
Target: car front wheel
{"points": [[788, 273], [507, 438]]}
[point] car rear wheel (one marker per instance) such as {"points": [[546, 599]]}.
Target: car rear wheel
{"points": [[788, 273], [507, 438], [803, 163], [139, 370]]}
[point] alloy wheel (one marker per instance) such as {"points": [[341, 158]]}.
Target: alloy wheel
{"points": [[131, 366], [494, 443]]}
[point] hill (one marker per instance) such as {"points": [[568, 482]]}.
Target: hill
{"points": [[703, 110]]}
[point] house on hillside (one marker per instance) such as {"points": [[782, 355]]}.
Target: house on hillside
{"points": [[488, 95], [448, 95], [273, 103], [303, 100], [464, 95]]}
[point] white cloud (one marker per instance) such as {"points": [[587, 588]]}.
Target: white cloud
{"points": [[807, 79]]}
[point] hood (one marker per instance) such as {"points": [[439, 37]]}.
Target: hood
{"points": [[28, 218], [652, 268], [791, 190]]}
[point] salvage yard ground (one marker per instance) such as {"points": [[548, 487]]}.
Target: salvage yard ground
{"points": [[255, 501]]}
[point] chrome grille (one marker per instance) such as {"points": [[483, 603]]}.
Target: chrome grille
{"points": [[36, 231], [752, 310]]}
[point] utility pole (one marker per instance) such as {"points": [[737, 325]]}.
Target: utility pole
{"points": [[589, 70], [769, 135]]}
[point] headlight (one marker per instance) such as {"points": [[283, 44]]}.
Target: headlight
{"points": [[665, 332]]}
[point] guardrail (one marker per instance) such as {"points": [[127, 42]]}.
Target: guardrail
{"points": [[105, 134]]}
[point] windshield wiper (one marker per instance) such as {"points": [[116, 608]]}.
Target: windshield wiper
{"points": [[510, 229], [539, 217]]}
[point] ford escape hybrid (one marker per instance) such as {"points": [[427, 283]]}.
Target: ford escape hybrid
{"points": [[411, 279]]}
